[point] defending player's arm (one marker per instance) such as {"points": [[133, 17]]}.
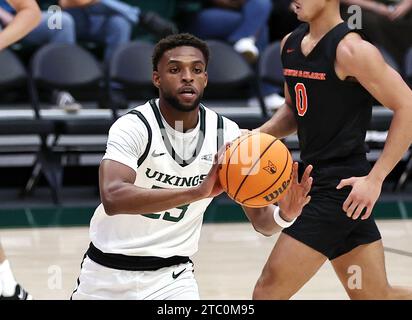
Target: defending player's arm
{"points": [[290, 206], [358, 58], [283, 122], [26, 19]]}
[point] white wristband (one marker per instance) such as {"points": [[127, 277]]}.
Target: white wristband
{"points": [[279, 220]]}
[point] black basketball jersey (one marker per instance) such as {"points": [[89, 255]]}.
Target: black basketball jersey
{"points": [[332, 115]]}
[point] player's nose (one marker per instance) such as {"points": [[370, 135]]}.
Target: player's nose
{"points": [[187, 75]]}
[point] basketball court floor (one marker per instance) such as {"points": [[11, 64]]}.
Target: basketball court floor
{"points": [[230, 258]]}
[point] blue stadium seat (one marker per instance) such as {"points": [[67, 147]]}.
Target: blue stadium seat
{"points": [[230, 76], [131, 68], [270, 65], [15, 77], [69, 67], [408, 67]]}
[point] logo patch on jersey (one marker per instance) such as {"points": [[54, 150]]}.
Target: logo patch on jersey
{"points": [[270, 168], [175, 275], [173, 180], [155, 155], [207, 157], [304, 74], [290, 50]]}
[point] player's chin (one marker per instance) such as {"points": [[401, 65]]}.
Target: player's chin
{"points": [[303, 18], [188, 102], [301, 15]]}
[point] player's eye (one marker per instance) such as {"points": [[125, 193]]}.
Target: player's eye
{"points": [[174, 70], [198, 70]]}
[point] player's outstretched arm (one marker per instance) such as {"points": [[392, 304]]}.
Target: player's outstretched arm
{"points": [[360, 59], [119, 195], [27, 18], [291, 205]]}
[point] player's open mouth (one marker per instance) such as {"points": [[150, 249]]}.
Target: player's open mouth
{"points": [[187, 92]]}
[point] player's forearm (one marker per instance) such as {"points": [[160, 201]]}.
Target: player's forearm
{"points": [[282, 124], [397, 143], [24, 22], [262, 220], [127, 198]]}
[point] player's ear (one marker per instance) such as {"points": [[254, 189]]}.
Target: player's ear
{"points": [[206, 78], [156, 79]]}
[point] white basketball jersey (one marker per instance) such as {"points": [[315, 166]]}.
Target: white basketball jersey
{"points": [[171, 232]]}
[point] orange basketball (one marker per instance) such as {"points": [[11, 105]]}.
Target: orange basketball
{"points": [[256, 170]]}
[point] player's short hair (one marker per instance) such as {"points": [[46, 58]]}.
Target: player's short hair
{"points": [[178, 40]]}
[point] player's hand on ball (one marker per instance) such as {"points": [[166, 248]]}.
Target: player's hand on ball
{"points": [[297, 196], [365, 192], [210, 187]]}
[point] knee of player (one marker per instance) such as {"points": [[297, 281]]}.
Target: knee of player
{"points": [[258, 292], [267, 289], [261, 290], [383, 293]]}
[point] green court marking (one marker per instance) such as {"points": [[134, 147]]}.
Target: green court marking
{"points": [[45, 217], [219, 212]]}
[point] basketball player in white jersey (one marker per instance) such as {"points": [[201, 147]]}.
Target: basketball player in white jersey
{"points": [[26, 19], [157, 178]]}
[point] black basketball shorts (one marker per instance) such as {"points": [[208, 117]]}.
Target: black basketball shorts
{"points": [[323, 225]]}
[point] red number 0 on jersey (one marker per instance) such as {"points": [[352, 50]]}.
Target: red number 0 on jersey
{"points": [[301, 99]]}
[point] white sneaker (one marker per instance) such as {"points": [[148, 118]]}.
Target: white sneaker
{"points": [[66, 101], [272, 101], [19, 294], [247, 48]]}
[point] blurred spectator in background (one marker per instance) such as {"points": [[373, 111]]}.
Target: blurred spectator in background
{"points": [[386, 23], [17, 20], [27, 16], [243, 23], [111, 21], [42, 34]]}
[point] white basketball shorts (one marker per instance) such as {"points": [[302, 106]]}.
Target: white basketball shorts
{"points": [[171, 283]]}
